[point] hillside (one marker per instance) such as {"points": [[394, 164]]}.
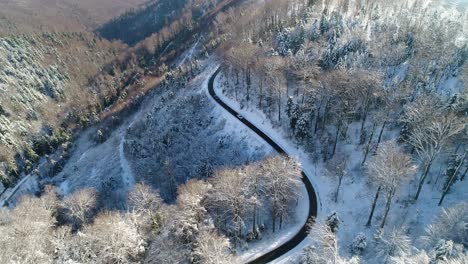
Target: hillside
{"points": [[44, 78], [64, 15]]}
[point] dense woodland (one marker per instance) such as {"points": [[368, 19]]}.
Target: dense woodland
{"points": [[50, 229], [108, 78], [330, 73]]}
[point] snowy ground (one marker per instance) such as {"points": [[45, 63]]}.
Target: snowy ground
{"points": [[136, 150], [356, 194]]}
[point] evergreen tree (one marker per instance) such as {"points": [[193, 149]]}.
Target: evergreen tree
{"points": [[333, 222], [302, 126], [324, 26], [292, 110], [315, 32], [359, 244], [443, 250]]}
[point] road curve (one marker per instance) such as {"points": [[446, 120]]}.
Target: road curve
{"points": [[302, 234]]}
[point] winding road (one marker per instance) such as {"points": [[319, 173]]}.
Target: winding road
{"points": [[302, 234]]}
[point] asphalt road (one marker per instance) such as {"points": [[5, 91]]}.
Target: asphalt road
{"points": [[302, 234]]}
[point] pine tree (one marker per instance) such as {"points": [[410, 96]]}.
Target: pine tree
{"points": [[359, 244], [443, 250], [302, 127], [452, 173], [324, 26], [333, 222], [292, 110]]}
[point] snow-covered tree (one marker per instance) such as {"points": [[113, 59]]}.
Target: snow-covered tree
{"points": [[452, 174], [387, 170], [211, 248], [27, 232], [431, 132], [146, 203], [450, 225], [228, 200], [392, 244], [359, 244], [79, 205], [278, 86], [419, 258], [443, 250], [292, 111], [302, 127], [282, 185], [333, 221], [256, 191], [324, 248], [114, 238]]}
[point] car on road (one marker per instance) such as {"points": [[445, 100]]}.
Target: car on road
{"points": [[240, 116]]}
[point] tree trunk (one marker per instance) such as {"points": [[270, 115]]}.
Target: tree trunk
{"points": [[423, 178], [369, 143], [317, 116], [298, 90], [248, 83], [281, 220], [236, 87], [254, 222], [452, 178], [325, 114], [369, 220], [464, 174], [336, 139], [364, 117], [380, 134], [274, 216], [261, 94], [303, 96], [387, 207], [338, 188], [218, 224], [279, 107]]}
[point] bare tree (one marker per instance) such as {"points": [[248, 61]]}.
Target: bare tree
{"points": [[79, 205], [256, 187], [337, 167], [114, 238], [452, 177], [282, 185], [147, 205], [229, 199], [166, 248], [324, 248], [450, 224], [191, 196], [431, 136], [387, 169], [27, 232], [276, 79], [308, 76]]}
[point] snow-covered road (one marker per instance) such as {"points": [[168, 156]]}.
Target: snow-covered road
{"points": [[301, 235]]}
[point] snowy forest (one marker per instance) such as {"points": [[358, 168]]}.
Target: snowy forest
{"points": [[235, 131]]}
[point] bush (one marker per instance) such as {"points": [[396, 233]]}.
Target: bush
{"points": [[359, 244]]}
